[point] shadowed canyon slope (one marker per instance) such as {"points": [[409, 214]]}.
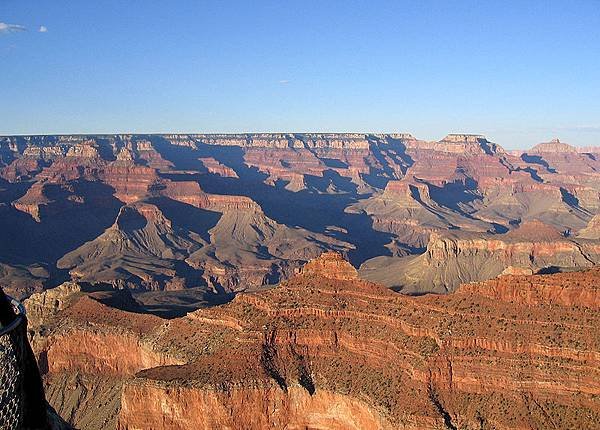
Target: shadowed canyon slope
{"points": [[328, 350], [230, 212], [451, 259]]}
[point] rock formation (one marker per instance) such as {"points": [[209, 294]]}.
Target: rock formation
{"points": [[332, 352], [451, 260], [554, 146], [330, 265], [592, 231], [283, 197]]}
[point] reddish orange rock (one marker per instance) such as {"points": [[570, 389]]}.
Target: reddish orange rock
{"points": [[330, 265], [322, 352]]}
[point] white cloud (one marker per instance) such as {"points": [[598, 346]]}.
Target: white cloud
{"points": [[10, 28], [43, 29], [284, 81]]}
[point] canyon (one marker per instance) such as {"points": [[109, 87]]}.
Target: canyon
{"points": [[195, 234], [306, 280], [326, 349], [228, 213]]}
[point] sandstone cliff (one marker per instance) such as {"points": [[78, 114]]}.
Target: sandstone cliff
{"points": [[292, 195], [452, 259], [336, 353]]}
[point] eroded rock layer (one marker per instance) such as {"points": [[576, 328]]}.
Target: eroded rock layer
{"points": [[283, 198], [325, 351], [451, 259]]}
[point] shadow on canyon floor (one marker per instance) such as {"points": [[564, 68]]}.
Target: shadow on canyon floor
{"points": [[175, 304], [309, 209], [164, 304]]}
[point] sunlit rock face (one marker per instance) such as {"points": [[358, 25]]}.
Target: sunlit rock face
{"points": [[247, 210], [450, 259], [328, 350], [330, 265]]}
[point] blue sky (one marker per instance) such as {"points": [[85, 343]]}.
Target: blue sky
{"points": [[520, 72]]}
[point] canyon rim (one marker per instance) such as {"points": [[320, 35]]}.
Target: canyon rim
{"points": [[299, 215]]}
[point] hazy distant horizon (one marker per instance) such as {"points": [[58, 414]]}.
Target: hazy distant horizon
{"points": [[508, 146], [518, 72]]}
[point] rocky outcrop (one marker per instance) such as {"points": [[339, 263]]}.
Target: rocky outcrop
{"points": [[85, 149], [554, 146], [335, 353], [86, 350], [371, 195], [330, 265], [321, 352], [560, 162], [565, 289], [43, 306], [514, 270], [592, 230], [213, 166], [241, 248], [451, 260], [32, 201], [214, 409], [140, 248]]}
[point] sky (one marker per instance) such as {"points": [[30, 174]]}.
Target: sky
{"points": [[520, 72]]}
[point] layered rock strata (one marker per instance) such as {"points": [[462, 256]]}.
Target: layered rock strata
{"points": [[325, 351]]}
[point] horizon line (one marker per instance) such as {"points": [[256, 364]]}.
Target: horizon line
{"points": [[160, 133]]}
